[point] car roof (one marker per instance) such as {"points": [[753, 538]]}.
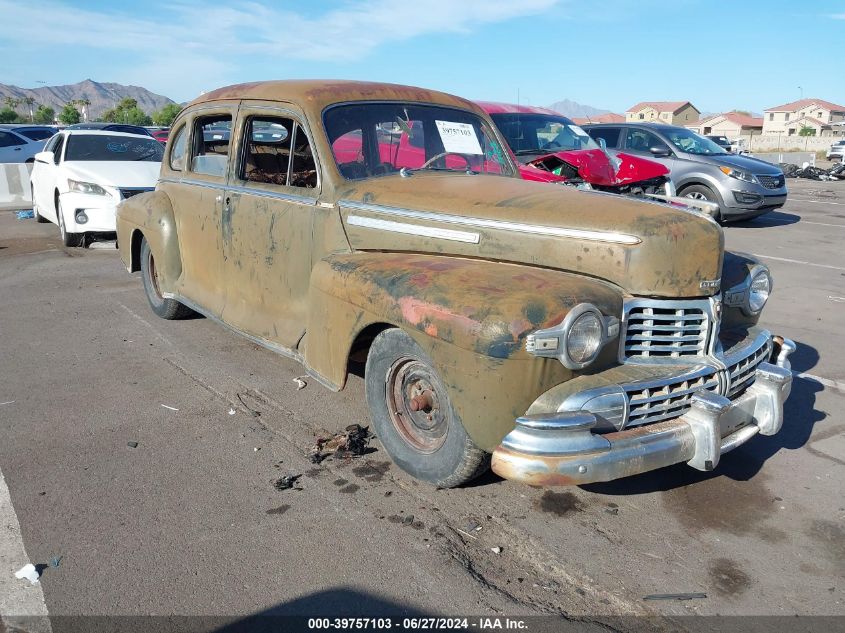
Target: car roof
{"points": [[664, 127], [26, 126], [83, 132], [495, 107], [314, 95]]}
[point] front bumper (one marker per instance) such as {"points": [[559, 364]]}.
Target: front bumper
{"points": [[560, 449], [100, 211]]}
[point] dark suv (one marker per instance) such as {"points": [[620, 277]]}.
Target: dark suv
{"points": [[742, 186]]}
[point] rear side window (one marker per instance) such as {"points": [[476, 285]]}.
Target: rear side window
{"points": [[609, 134], [9, 140], [177, 150], [212, 140], [37, 135]]}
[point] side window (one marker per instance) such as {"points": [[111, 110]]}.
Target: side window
{"points": [[177, 149], [642, 141], [609, 134], [9, 140], [303, 172], [267, 151], [212, 139], [57, 151]]}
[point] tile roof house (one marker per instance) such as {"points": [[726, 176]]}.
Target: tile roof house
{"points": [[670, 112], [823, 116], [730, 124]]}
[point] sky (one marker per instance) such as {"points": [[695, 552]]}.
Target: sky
{"points": [[610, 54]]}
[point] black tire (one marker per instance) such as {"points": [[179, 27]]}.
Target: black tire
{"points": [[169, 309], [442, 454], [700, 192], [38, 217], [68, 239]]}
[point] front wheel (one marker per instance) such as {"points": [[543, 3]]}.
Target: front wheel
{"points": [[165, 308], [413, 415], [68, 239], [700, 192]]}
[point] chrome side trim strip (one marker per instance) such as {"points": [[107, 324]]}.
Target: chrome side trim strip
{"points": [[517, 227], [414, 229], [276, 195]]}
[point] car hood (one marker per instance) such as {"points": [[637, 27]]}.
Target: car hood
{"points": [[115, 174], [594, 167], [647, 249], [754, 165]]}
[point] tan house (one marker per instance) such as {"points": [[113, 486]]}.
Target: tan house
{"points": [[822, 116], [730, 124], [670, 112], [610, 117]]}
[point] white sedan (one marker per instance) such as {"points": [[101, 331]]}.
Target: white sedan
{"points": [[82, 175]]}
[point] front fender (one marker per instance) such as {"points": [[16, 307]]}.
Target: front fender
{"points": [[150, 215], [471, 317]]}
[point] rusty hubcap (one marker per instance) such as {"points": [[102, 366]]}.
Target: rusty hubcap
{"points": [[151, 266], [416, 404]]}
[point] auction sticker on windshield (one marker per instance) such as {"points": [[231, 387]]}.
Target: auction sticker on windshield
{"points": [[578, 130], [458, 137]]}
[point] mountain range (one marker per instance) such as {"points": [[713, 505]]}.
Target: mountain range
{"points": [[575, 109], [103, 96]]}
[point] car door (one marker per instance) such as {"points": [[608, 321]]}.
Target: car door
{"points": [[194, 177], [646, 144], [267, 224], [11, 147], [44, 175]]}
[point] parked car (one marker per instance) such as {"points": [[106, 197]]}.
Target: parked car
{"points": [[837, 150], [82, 175], [20, 143], [161, 136], [551, 148], [111, 127], [576, 336], [742, 186], [722, 141]]}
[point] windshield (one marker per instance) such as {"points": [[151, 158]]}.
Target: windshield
{"points": [[692, 143], [107, 147], [378, 139], [542, 133]]}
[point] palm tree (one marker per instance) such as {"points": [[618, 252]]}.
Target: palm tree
{"points": [[11, 102], [84, 102], [29, 101]]}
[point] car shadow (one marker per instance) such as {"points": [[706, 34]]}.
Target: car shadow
{"points": [[800, 417], [772, 218]]}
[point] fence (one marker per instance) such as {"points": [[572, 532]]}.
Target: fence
{"points": [[777, 143], [796, 158], [14, 186]]}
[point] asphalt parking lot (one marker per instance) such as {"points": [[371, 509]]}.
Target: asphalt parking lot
{"points": [[188, 522]]}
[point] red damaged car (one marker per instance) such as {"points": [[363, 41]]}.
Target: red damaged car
{"points": [[551, 148]]}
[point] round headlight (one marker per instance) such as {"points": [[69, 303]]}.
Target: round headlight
{"points": [[758, 294], [584, 338]]}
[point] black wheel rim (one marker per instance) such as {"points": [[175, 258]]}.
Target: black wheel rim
{"points": [[416, 402]]}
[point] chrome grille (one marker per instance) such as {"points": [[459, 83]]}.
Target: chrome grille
{"points": [[660, 329], [134, 191], [771, 182], [655, 400]]}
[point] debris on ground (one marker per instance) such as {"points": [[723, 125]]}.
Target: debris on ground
{"points": [[353, 442], [132, 444], [408, 520], [287, 482], [300, 382], [473, 526], [54, 562], [808, 172], [496, 550], [29, 572], [169, 407], [25, 215], [675, 596], [7, 402], [252, 411], [232, 411]]}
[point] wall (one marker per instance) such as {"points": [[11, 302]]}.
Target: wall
{"points": [[782, 142], [14, 186]]}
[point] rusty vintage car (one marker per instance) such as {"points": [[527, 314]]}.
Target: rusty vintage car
{"points": [[574, 336]]}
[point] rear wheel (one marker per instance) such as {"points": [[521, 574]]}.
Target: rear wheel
{"points": [[165, 308], [413, 415], [68, 239], [700, 192]]}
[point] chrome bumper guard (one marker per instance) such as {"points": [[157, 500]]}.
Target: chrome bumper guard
{"points": [[560, 449]]}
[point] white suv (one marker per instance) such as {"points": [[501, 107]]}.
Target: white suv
{"points": [[836, 150]]}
